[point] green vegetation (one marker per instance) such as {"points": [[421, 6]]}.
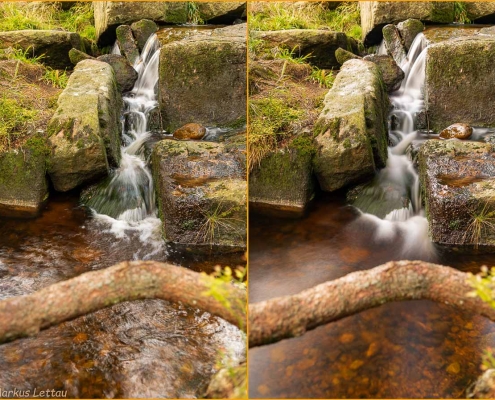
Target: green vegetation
{"points": [[193, 14], [460, 13], [484, 287], [281, 15], [270, 121], [322, 77], [56, 78], [14, 119], [49, 15], [217, 221], [20, 55], [482, 223]]}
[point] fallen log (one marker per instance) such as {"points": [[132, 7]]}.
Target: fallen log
{"points": [[290, 316], [25, 315]]}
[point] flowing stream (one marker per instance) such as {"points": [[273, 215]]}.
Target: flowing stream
{"points": [[148, 348], [126, 200], [392, 201], [414, 349]]}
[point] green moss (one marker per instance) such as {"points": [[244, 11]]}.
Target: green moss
{"points": [[304, 145]]}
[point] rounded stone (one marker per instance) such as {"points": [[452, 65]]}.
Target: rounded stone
{"points": [[190, 131], [457, 131]]}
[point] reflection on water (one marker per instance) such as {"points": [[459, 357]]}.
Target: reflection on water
{"points": [[400, 350], [148, 348]]}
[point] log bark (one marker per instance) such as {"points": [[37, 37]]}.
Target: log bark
{"points": [[26, 315], [290, 316]]}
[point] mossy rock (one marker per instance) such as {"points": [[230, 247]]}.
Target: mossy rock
{"points": [[376, 14], [84, 133], [392, 74], [203, 79], [393, 43], [142, 30], [343, 55], [76, 56], [110, 14], [408, 30], [458, 184], [459, 82], [23, 182], [351, 131], [201, 192], [53, 46], [125, 74], [127, 43], [283, 182]]}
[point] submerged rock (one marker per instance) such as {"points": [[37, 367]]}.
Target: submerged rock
{"points": [[127, 43], [283, 182], [190, 131], [84, 133], [342, 55], [110, 14], [408, 30], [457, 131], [392, 74], [203, 79], [23, 183], [459, 82], [142, 30], [458, 183], [201, 191], [320, 45], [351, 131], [53, 46], [125, 74], [376, 14], [393, 43]]}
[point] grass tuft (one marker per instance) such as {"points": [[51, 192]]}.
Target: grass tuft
{"points": [[56, 78], [285, 15], [482, 223], [48, 15]]}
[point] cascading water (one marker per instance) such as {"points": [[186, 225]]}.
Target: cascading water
{"points": [[392, 201], [126, 200]]}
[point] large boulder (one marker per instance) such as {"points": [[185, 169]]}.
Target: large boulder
{"points": [[459, 82], [23, 183], [458, 185], [376, 14], [110, 14], [283, 182], [319, 45], [84, 133], [54, 46], [203, 79], [125, 74], [480, 11], [351, 131], [201, 191]]}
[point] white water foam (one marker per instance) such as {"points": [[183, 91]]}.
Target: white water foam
{"points": [[408, 223]]}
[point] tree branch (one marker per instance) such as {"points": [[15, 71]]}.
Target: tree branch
{"points": [[26, 315], [291, 316]]}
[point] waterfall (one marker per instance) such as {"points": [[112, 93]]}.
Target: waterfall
{"points": [[392, 202], [126, 200]]}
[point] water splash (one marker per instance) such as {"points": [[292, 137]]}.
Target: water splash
{"points": [[126, 201], [392, 202]]}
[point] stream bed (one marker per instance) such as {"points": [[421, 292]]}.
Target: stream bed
{"points": [[146, 348], [413, 349]]}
